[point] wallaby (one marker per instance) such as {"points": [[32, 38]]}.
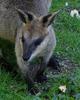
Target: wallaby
{"points": [[28, 24]]}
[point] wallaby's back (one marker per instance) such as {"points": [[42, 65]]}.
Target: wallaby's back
{"points": [[9, 20]]}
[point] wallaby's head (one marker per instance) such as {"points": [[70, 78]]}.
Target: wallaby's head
{"points": [[34, 31]]}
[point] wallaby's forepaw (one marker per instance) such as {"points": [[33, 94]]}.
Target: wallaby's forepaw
{"points": [[41, 78]]}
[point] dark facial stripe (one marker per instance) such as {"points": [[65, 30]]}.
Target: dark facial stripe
{"points": [[31, 48], [38, 41]]}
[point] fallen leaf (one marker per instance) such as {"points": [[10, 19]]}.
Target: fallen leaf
{"points": [[63, 88]]}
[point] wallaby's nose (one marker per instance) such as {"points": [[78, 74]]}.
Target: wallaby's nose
{"points": [[27, 54]]}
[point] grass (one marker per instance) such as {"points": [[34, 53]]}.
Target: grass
{"points": [[68, 46]]}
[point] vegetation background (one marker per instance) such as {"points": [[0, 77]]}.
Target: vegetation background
{"points": [[68, 49]]}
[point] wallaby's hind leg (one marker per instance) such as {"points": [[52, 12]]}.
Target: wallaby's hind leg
{"points": [[54, 63]]}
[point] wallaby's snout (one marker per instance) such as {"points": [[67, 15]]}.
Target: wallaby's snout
{"points": [[28, 50]]}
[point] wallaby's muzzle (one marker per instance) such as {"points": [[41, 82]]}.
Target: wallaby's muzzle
{"points": [[29, 49]]}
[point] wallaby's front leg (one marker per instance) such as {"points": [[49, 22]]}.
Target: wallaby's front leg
{"points": [[31, 84], [40, 77], [29, 75]]}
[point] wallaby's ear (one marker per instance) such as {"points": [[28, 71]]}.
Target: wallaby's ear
{"points": [[48, 19], [25, 16], [22, 15]]}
